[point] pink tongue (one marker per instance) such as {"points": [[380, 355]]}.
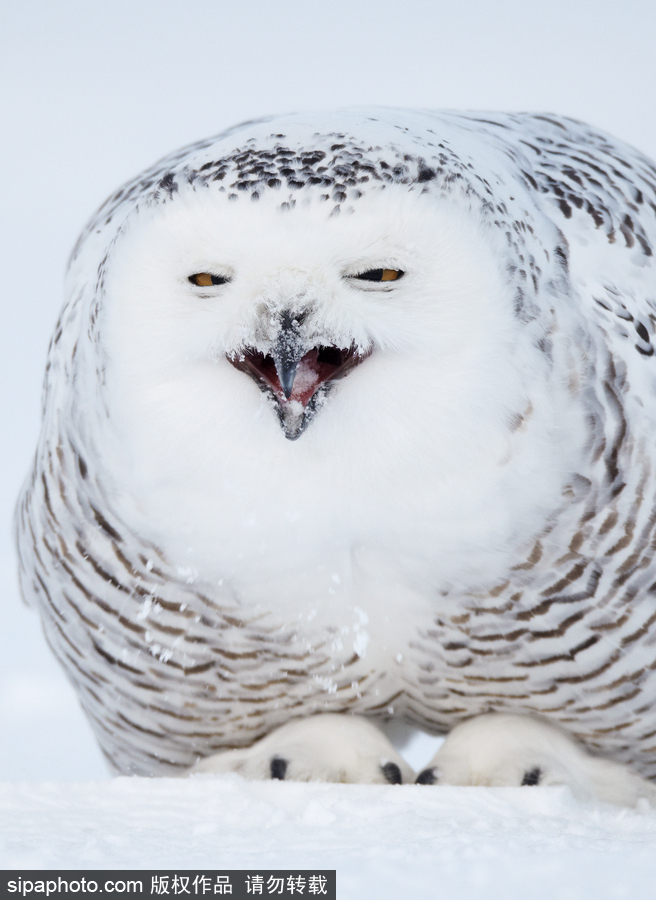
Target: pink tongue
{"points": [[310, 374], [318, 366]]}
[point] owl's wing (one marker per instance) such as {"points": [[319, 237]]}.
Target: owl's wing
{"points": [[601, 193]]}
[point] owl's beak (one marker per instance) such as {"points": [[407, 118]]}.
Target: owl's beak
{"points": [[296, 377], [288, 350]]}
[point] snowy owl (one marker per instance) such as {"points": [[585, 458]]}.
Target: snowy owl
{"points": [[350, 417]]}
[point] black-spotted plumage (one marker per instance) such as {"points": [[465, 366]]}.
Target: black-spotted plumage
{"points": [[478, 493]]}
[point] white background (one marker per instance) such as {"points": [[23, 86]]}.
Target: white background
{"points": [[91, 92]]}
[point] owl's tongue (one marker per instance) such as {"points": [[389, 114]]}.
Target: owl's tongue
{"points": [[298, 381], [311, 373]]}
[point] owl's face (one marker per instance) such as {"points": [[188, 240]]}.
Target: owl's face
{"points": [[382, 341], [288, 302]]}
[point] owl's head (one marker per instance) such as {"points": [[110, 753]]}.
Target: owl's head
{"points": [[335, 297], [293, 260], [289, 301]]}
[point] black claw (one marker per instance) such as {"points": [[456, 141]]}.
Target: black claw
{"points": [[428, 776], [278, 768], [392, 773], [532, 777]]}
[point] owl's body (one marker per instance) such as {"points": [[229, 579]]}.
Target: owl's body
{"points": [[463, 523]]}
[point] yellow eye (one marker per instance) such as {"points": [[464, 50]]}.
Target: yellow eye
{"points": [[380, 275], [204, 279]]}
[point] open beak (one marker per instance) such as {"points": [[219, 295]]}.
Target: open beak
{"points": [[296, 378]]}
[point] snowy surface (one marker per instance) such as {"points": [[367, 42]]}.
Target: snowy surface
{"points": [[384, 841], [90, 94]]}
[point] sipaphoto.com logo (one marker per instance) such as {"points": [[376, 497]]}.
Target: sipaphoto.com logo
{"points": [[240, 884], [48, 886]]}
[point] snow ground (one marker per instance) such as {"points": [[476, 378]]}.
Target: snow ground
{"points": [[384, 841]]}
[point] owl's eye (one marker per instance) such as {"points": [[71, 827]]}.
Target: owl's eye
{"points": [[205, 279], [379, 275]]}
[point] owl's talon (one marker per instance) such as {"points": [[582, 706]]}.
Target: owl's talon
{"points": [[330, 747], [532, 777], [428, 776], [392, 773], [278, 768], [503, 750]]}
